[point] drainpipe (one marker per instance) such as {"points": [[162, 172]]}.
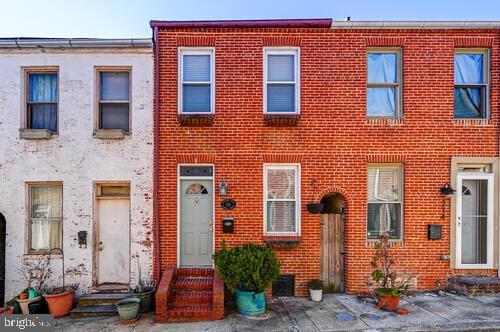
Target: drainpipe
{"points": [[156, 149]]}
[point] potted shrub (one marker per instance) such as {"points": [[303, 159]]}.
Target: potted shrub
{"points": [[391, 286], [248, 271], [59, 299], [144, 290], [35, 273], [128, 309], [315, 290]]}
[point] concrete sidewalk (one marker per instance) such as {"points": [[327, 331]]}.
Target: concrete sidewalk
{"points": [[427, 312]]}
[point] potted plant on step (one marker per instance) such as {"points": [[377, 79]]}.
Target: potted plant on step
{"points": [[391, 285], [248, 271], [144, 290], [35, 273], [59, 299], [315, 290]]}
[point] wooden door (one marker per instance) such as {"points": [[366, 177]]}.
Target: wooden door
{"points": [[332, 250]]}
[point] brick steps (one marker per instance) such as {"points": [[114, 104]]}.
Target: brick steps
{"points": [[188, 295], [474, 285]]}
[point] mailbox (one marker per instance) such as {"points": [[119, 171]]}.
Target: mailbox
{"points": [[434, 232], [227, 225]]}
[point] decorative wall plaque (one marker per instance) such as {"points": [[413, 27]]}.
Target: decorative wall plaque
{"points": [[228, 204]]}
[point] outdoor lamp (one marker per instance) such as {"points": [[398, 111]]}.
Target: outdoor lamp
{"points": [[447, 190], [223, 188]]}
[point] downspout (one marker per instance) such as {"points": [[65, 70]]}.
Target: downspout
{"points": [[156, 149]]}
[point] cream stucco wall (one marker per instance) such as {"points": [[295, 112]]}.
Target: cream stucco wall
{"points": [[74, 157]]}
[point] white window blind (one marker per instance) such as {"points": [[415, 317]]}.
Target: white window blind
{"points": [[281, 81], [114, 100], [281, 198], [196, 81], [45, 217]]}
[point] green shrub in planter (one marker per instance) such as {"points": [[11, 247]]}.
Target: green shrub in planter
{"points": [[248, 271]]}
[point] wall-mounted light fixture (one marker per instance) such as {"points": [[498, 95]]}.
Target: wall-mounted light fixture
{"points": [[223, 188], [447, 190]]}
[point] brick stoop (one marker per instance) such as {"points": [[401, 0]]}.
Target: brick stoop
{"points": [[474, 285], [189, 294]]}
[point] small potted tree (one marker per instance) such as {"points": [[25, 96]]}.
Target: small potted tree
{"points": [[391, 285], [248, 271], [35, 273], [315, 290], [144, 290]]}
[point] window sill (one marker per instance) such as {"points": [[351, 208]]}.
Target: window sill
{"points": [[109, 134], [42, 255], [385, 121], [281, 120], [36, 134], [394, 243], [282, 242], [196, 120], [472, 122]]}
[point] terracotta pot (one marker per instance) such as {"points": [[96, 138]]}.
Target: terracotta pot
{"points": [[60, 304], [388, 302]]}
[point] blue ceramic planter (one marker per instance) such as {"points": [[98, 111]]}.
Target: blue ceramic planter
{"points": [[250, 303]]}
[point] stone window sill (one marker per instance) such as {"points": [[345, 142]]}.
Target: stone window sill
{"points": [[36, 134], [281, 120], [384, 121], [42, 255], [109, 134], [472, 122], [196, 120]]}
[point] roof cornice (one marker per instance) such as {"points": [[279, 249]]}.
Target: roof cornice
{"points": [[74, 43], [276, 23], [422, 25]]}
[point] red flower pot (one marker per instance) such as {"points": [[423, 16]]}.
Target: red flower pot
{"points": [[7, 311], [60, 304], [388, 302]]}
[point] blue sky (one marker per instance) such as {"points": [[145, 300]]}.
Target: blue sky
{"points": [[129, 18]]}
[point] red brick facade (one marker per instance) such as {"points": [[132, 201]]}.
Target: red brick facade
{"points": [[333, 139]]}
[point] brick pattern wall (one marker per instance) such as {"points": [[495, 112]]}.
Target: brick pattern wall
{"points": [[333, 140]]}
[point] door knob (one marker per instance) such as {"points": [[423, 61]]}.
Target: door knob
{"points": [[101, 246]]}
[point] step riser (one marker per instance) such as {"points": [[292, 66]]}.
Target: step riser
{"points": [[191, 302], [95, 302], [195, 272], [92, 314]]}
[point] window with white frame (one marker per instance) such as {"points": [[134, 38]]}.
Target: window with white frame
{"points": [[45, 217], [385, 200], [383, 92], [282, 199], [471, 84], [282, 80], [197, 80]]}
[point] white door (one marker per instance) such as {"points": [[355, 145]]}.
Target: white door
{"points": [[474, 220], [113, 241]]}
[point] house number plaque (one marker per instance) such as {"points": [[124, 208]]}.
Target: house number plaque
{"points": [[228, 204]]}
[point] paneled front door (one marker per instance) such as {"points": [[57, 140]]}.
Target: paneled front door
{"points": [[196, 224]]}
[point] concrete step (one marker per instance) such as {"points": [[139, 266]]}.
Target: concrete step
{"points": [[100, 299], [194, 283], [191, 298], [94, 311]]}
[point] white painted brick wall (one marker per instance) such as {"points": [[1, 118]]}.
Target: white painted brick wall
{"points": [[75, 157]]}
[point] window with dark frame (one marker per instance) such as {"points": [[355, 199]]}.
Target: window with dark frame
{"points": [[114, 100], [45, 217], [471, 85], [385, 201], [42, 100]]}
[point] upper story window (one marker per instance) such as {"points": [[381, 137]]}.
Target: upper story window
{"points": [[385, 200], [41, 100], [196, 80], [383, 92], [282, 80], [45, 217], [114, 99], [471, 84], [281, 199]]}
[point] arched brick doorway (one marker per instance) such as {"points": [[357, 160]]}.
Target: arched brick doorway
{"points": [[332, 241]]}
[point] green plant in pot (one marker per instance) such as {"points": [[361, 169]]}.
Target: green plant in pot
{"points": [[248, 271], [144, 290], [391, 285], [315, 289]]}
